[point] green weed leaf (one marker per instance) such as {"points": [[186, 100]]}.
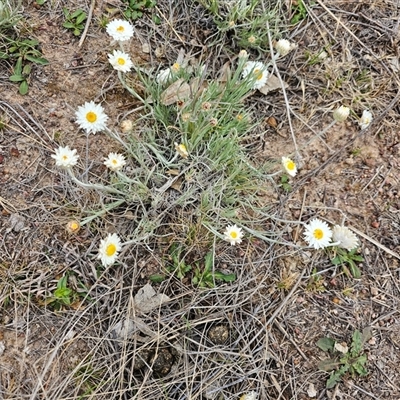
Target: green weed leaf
{"points": [[80, 18], [224, 277], [336, 260], [326, 344], [16, 78], [37, 60], [30, 42], [157, 278], [355, 271], [23, 88], [77, 14], [27, 70], [333, 379], [18, 67], [69, 25], [356, 344]]}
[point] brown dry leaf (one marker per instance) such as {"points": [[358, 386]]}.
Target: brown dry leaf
{"points": [[147, 299], [14, 152], [198, 85], [273, 83], [271, 121], [174, 172], [177, 184], [225, 72], [179, 90]]}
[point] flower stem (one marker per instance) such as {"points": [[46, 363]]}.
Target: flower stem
{"points": [[92, 185], [106, 209]]}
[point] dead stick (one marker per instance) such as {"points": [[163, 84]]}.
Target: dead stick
{"points": [[89, 18]]}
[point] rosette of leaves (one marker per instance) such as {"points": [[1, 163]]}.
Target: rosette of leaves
{"points": [[344, 360], [74, 20], [348, 258], [25, 52], [135, 8]]}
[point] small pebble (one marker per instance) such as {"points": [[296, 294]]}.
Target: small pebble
{"points": [[374, 291]]}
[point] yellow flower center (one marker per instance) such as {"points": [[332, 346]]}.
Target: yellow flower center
{"points": [[234, 235], [176, 67], [91, 116], [318, 234], [121, 61], [120, 29], [111, 249], [290, 165], [114, 161], [65, 157], [258, 74]]}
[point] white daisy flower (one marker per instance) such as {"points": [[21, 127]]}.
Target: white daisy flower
{"points": [[120, 61], [284, 47], [65, 157], [109, 248], [182, 150], [289, 166], [91, 117], [258, 71], [249, 396], [120, 30], [344, 237], [341, 113], [233, 234], [365, 120], [115, 161], [318, 234]]}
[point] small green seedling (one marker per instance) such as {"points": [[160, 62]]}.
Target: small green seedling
{"points": [[316, 58], [135, 8], [203, 277], [74, 21], [316, 282], [64, 296], [299, 11], [177, 267], [206, 277], [345, 258], [25, 52], [344, 360], [286, 186]]}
